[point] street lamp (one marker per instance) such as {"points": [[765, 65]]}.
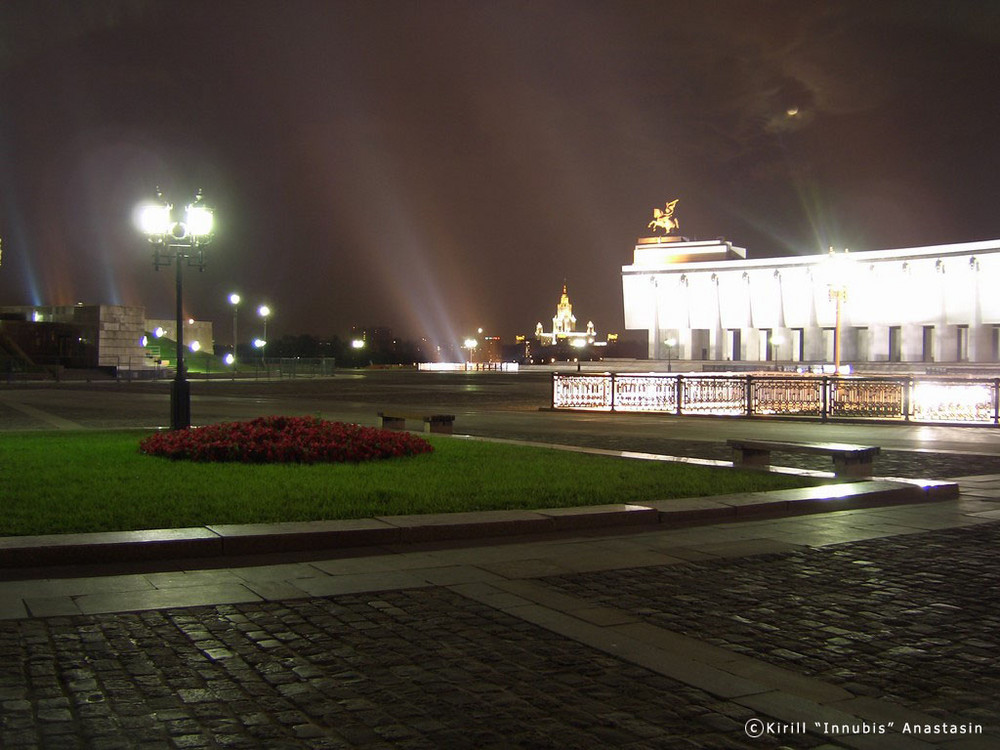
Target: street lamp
{"points": [[175, 241], [471, 344], [264, 311], [775, 341], [671, 343], [234, 300], [837, 273]]}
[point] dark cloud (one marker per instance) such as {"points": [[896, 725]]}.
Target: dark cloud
{"points": [[439, 165]]}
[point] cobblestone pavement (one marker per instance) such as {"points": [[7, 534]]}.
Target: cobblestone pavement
{"points": [[912, 619], [423, 668], [906, 620]]}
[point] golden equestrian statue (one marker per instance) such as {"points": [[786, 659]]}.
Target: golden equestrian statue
{"points": [[665, 218]]}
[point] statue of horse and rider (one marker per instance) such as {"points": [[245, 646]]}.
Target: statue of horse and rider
{"points": [[665, 219]]}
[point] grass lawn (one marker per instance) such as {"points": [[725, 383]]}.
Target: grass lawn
{"points": [[99, 481]]}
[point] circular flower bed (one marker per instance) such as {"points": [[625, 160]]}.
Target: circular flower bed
{"points": [[303, 440]]}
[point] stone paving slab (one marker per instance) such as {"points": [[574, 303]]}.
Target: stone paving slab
{"points": [[232, 540], [61, 549], [258, 538]]}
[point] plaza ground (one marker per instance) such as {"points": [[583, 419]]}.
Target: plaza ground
{"points": [[862, 628]]}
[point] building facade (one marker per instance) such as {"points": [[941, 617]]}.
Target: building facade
{"points": [[89, 336], [707, 301], [80, 335]]}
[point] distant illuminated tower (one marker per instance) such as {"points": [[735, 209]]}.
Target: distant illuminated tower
{"points": [[564, 320], [564, 325]]}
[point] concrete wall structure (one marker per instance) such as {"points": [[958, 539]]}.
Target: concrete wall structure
{"points": [[111, 333], [925, 304], [108, 335]]}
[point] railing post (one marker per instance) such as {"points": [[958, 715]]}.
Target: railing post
{"points": [[907, 403], [825, 411], [553, 402], [613, 388], [749, 396], [996, 402], [679, 393]]}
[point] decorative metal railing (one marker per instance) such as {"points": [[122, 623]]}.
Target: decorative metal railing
{"points": [[712, 395], [867, 399], [640, 393], [801, 397], [904, 399]]}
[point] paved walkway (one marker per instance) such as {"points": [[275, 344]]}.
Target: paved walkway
{"points": [[869, 629]]}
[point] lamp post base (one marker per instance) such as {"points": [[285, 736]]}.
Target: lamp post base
{"points": [[180, 404]]}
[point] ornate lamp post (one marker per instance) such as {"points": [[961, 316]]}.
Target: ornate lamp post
{"points": [[837, 273], [175, 241]]}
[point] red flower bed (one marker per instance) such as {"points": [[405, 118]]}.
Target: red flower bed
{"points": [[303, 440]]}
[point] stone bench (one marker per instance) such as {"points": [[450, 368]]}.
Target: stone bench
{"points": [[848, 460], [396, 420]]}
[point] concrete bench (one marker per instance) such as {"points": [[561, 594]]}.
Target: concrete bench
{"points": [[848, 460], [395, 420]]}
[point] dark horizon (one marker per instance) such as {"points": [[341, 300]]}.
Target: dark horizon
{"points": [[439, 166]]}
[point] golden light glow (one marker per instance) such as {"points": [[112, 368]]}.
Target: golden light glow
{"points": [[947, 402], [153, 218], [199, 220]]}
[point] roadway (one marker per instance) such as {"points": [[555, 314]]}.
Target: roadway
{"points": [[488, 404]]}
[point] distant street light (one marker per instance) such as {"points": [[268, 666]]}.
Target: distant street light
{"points": [[175, 241], [263, 311], [234, 300], [671, 343], [471, 344], [775, 342]]}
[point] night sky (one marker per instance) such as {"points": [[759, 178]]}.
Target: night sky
{"points": [[441, 166]]}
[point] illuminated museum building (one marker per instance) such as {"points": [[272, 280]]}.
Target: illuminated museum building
{"points": [[704, 300]]}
